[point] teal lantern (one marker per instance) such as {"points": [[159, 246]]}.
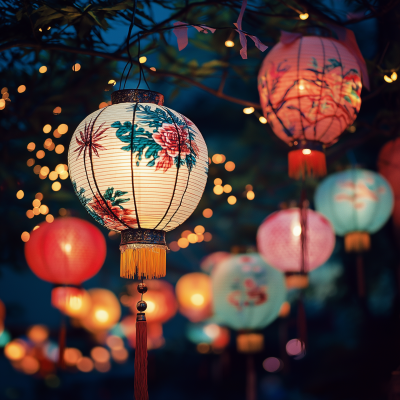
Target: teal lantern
{"points": [[247, 296], [357, 202]]}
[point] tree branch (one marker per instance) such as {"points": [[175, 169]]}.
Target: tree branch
{"points": [[116, 57]]}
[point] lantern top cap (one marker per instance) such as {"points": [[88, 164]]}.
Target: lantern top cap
{"points": [[137, 96]]}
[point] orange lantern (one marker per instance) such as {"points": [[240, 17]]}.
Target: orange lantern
{"points": [[104, 311], [160, 299], [71, 301], [193, 292]]}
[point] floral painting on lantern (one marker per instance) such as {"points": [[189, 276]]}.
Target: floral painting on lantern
{"points": [[168, 140], [247, 292], [310, 89]]}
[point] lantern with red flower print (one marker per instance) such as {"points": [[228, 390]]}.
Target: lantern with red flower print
{"points": [[310, 93], [67, 252], [296, 245]]}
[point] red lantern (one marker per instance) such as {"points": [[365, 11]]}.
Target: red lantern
{"points": [[67, 251], [310, 93], [389, 167], [279, 241]]}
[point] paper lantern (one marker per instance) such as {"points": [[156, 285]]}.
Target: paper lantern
{"points": [[357, 202], [72, 301], [310, 93], [193, 292], [389, 168], [279, 241], [247, 292], [139, 168], [210, 261], [104, 312], [160, 299]]}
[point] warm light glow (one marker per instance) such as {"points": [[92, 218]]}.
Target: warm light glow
{"points": [[56, 134], [142, 59], [112, 82], [56, 186], [203, 348], [62, 212], [207, 237], [250, 195], [183, 243], [20, 194], [2, 103], [296, 230], [76, 67], [103, 104], [218, 158], [57, 111], [217, 181], [30, 214], [64, 175], [227, 188], [71, 356], [303, 16], [212, 330], [199, 229], [197, 299], [36, 227], [40, 154], [30, 365], [230, 166], [60, 168], [75, 302], [47, 128], [49, 218], [14, 350], [119, 355], [25, 235], [85, 364], [263, 120], [44, 171], [53, 175], [301, 87], [192, 238], [21, 89], [207, 213], [114, 342], [394, 76], [186, 233], [100, 354], [150, 306], [101, 315], [30, 162], [66, 247], [153, 69], [232, 200], [59, 149], [36, 210], [62, 129], [31, 146], [229, 43], [387, 79], [43, 69], [218, 190], [248, 110], [39, 196], [38, 334], [306, 151]]}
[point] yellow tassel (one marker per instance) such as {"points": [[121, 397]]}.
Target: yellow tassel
{"points": [[146, 262], [357, 242]]}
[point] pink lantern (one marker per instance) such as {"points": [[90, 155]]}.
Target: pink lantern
{"points": [[310, 93], [209, 262], [279, 241], [389, 167]]}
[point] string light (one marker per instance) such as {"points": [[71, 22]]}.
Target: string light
{"points": [[250, 195], [103, 104], [64, 175], [232, 200], [248, 110], [249, 187], [44, 209], [59, 149], [230, 166], [217, 181], [112, 82], [49, 218], [263, 120], [192, 238], [218, 190], [45, 171], [30, 162], [56, 134], [207, 237], [20, 194], [40, 154], [207, 213], [56, 186], [186, 233], [183, 243], [142, 59], [36, 210], [227, 188], [76, 67], [39, 196], [36, 203], [57, 111], [43, 69], [21, 89], [30, 214], [62, 129], [153, 69], [229, 43], [303, 16], [199, 229], [31, 146], [36, 169]]}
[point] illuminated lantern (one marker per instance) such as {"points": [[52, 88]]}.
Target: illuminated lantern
{"points": [[279, 241], [310, 93], [155, 338], [389, 167], [357, 202], [104, 313], [193, 292], [247, 293], [210, 261], [67, 251], [140, 169], [71, 301], [160, 299]]}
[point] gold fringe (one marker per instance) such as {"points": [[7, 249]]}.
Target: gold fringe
{"points": [[146, 262], [357, 242]]}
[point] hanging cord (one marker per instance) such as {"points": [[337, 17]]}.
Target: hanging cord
{"points": [[128, 44]]}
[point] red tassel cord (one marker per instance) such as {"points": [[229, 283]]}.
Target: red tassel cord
{"points": [[61, 343], [306, 162], [251, 385], [360, 276]]}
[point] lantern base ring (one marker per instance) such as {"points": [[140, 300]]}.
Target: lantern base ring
{"points": [[151, 247]]}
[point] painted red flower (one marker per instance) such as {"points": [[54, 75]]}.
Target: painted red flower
{"points": [[114, 217], [89, 139], [174, 141]]}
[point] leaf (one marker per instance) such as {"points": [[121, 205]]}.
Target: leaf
{"points": [[108, 195], [347, 98]]}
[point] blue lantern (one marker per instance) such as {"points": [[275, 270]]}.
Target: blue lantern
{"points": [[357, 202]]}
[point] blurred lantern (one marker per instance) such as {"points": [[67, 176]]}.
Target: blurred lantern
{"points": [[66, 252], [193, 292], [208, 263], [295, 249], [139, 168], [389, 167], [357, 202], [160, 300], [155, 337], [247, 292], [310, 93], [104, 311], [71, 301], [209, 333]]}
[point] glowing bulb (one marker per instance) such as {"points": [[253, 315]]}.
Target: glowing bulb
{"points": [[387, 79], [306, 151], [296, 230], [101, 315], [67, 248], [263, 120], [303, 16], [248, 110], [229, 43], [197, 299], [150, 306], [301, 87], [142, 59], [394, 76], [75, 302]]}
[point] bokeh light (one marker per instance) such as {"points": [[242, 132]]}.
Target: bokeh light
{"points": [[272, 364], [38, 333], [207, 213], [294, 347]]}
